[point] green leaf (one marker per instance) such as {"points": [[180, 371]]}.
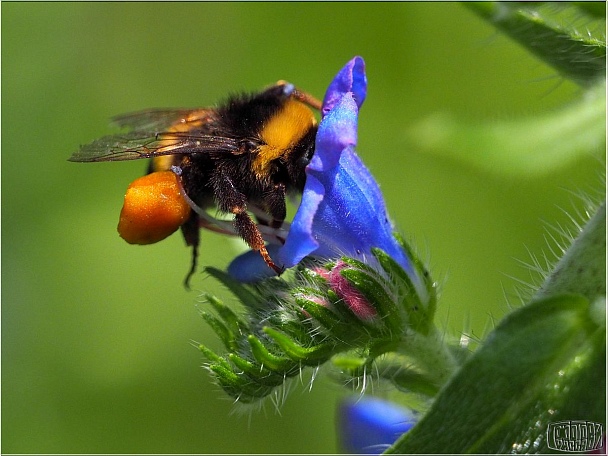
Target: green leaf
{"points": [[582, 269], [594, 9], [577, 56], [545, 362], [528, 146]]}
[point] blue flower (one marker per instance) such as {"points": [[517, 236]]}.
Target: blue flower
{"points": [[342, 212], [370, 425]]}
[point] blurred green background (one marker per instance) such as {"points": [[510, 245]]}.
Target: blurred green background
{"points": [[96, 333]]}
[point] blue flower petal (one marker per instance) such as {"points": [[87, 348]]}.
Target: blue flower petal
{"points": [[300, 241], [352, 79], [370, 425], [250, 266], [342, 211], [337, 131]]}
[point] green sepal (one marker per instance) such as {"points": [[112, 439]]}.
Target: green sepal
{"points": [[300, 330], [239, 386], [211, 355], [220, 329], [329, 320], [325, 316], [368, 329], [349, 363], [357, 264], [420, 315], [263, 356], [310, 276], [310, 356], [376, 294], [423, 273], [292, 321], [233, 323], [256, 372], [419, 266]]}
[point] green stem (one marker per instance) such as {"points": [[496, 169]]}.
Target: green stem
{"points": [[431, 354]]}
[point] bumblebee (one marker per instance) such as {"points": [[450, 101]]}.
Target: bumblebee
{"points": [[246, 155]]}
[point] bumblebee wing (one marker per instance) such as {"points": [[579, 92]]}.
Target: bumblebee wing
{"points": [[135, 145], [162, 119]]}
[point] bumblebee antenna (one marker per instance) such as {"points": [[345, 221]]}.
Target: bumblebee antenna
{"points": [[301, 96]]}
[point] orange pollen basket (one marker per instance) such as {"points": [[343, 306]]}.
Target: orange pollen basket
{"points": [[154, 208]]}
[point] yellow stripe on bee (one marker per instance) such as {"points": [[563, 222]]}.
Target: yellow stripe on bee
{"points": [[282, 132]]}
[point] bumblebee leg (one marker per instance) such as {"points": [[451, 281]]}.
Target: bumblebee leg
{"points": [[274, 204], [191, 235], [249, 231], [233, 201]]}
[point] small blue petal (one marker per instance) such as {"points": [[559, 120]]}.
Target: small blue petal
{"points": [[371, 425], [337, 131], [250, 266], [351, 78], [301, 240]]}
